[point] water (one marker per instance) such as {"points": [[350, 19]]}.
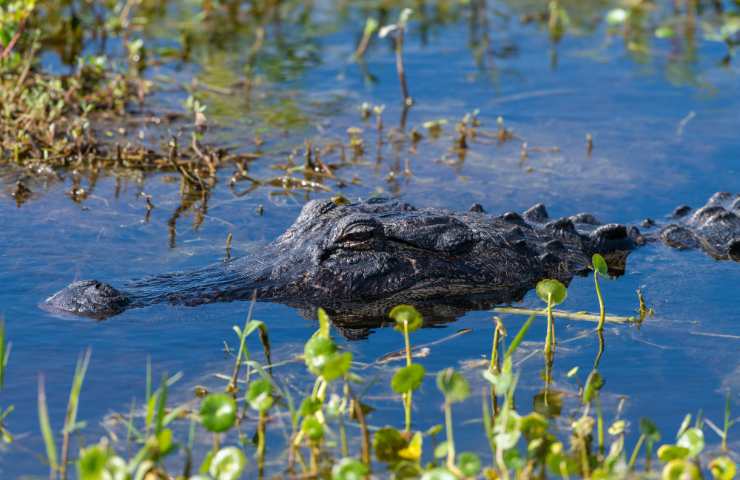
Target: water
{"points": [[665, 133]]}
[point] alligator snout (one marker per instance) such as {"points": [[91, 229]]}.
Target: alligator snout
{"points": [[88, 298]]}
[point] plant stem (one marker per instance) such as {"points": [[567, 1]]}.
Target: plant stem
{"points": [[408, 395], [261, 443], [550, 338], [600, 425], [633, 457], [407, 100], [450, 436], [232, 387], [600, 353], [602, 310]]}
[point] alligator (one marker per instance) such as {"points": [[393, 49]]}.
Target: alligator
{"points": [[357, 259]]}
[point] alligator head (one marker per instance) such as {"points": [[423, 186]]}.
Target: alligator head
{"points": [[357, 259]]}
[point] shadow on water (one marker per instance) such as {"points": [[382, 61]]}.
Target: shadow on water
{"points": [[280, 96]]}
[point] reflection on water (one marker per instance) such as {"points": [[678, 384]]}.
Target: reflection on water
{"points": [[282, 96]]}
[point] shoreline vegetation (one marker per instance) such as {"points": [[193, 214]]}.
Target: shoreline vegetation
{"points": [[92, 119]]}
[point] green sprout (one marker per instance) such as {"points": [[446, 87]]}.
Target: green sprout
{"points": [[553, 293], [410, 377], [455, 388], [600, 268]]}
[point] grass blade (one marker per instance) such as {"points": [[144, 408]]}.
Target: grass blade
{"points": [[46, 431]]}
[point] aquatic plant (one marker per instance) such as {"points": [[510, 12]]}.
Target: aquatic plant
{"points": [[600, 268], [552, 292], [410, 377], [398, 30]]}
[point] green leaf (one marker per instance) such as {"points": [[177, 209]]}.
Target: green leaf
{"points": [[349, 469], [440, 451], [650, 430], [408, 378], [548, 403], [501, 381], [45, 424], [218, 412], [309, 406], [594, 383], [317, 352], [469, 464], [722, 468], [92, 462], [551, 291], [414, 448], [337, 366], [681, 470], [387, 442], [160, 444], [438, 474], [693, 440], [600, 266], [666, 453], [312, 428], [453, 385], [227, 464], [259, 395], [406, 314], [519, 336], [324, 323], [533, 426]]}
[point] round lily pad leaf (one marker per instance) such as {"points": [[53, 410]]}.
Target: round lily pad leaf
{"points": [[666, 453], [349, 469], [92, 462], [600, 265], [218, 412], [681, 470], [552, 290], [723, 468], [453, 385], [228, 464], [312, 428], [317, 351], [336, 366], [408, 378], [693, 440], [387, 442], [259, 395], [469, 464], [406, 314]]}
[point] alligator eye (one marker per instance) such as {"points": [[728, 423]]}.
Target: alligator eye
{"points": [[357, 234]]}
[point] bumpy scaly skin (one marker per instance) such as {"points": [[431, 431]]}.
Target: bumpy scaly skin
{"points": [[714, 228], [358, 259]]}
